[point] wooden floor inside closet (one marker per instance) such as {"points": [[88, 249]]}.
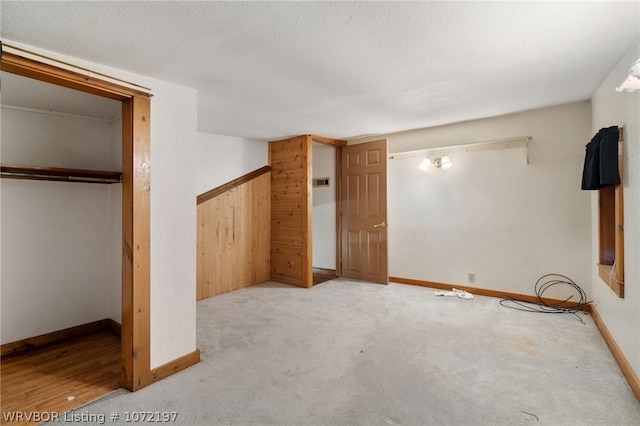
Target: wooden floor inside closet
{"points": [[61, 376]]}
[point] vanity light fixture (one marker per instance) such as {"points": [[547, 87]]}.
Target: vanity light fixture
{"points": [[443, 162]]}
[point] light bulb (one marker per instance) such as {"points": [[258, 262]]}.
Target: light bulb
{"points": [[446, 163], [424, 165]]}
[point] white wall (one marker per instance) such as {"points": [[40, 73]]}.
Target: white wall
{"points": [[611, 108], [173, 210], [222, 158], [324, 207], [57, 260], [173, 221], [55, 140], [508, 222]]}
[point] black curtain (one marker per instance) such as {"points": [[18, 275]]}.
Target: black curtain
{"points": [[601, 160]]}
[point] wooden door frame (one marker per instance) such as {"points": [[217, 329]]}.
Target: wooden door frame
{"points": [[136, 253], [339, 211]]}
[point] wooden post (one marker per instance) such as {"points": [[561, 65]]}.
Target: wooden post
{"points": [[136, 350]]}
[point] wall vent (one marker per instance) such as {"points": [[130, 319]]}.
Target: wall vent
{"points": [[321, 181]]}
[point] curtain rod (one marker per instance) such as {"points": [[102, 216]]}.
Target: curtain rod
{"points": [[515, 142], [71, 67]]}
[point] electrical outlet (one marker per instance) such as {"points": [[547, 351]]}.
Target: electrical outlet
{"points": [[471, 277]]}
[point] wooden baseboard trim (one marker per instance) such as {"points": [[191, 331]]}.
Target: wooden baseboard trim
{"points": [[480, 291], [622, 361], [56, 336], [114, 326], [172, 367]]}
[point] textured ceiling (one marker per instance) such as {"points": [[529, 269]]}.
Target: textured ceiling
{"points": [[343, 69]]}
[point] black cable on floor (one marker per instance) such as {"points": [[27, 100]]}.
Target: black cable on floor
{"points": [[567, 306]]}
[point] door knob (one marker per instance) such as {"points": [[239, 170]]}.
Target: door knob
{"points": [[380, 225]]}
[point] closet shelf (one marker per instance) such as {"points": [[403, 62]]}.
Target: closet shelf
{"points": [[58, 174]]}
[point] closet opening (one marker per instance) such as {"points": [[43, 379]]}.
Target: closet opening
{"points": [[76, 246], [62, 231]]}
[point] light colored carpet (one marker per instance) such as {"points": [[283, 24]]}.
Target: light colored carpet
{"points": [[354, 353]]}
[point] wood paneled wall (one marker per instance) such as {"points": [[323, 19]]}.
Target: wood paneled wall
{"points": [[233, 238], [290, 161]]}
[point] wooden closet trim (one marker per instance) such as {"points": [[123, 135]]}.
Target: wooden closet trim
{"points": [[136, 244], [136, 281], [25, 67]]}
